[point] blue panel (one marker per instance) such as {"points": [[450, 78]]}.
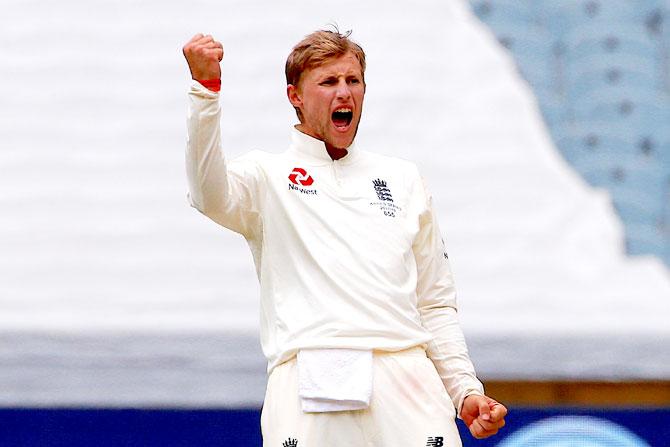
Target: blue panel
{"points": [[225, 428], [128, 428]]}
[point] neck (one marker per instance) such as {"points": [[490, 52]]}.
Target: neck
{"points": [[335, 152]]}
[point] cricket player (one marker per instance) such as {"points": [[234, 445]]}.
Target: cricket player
{"points": [[358, 307]]}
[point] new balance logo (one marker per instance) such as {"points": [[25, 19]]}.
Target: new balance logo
{"points": [[290, 443], [437, 441], [382, 190]]}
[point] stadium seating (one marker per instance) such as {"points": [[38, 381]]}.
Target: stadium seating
{"points": [[601, 72]]}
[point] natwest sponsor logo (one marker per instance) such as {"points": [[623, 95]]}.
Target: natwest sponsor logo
{"points": [[300, 177], [300, 181]]}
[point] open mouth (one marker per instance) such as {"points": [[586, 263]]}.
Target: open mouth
{"points": [[342, 117]]}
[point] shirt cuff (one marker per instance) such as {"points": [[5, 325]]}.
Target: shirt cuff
{"points": [[202, 91]]}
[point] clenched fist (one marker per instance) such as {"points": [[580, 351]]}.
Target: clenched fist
{"points": [[483, 415], [203, 55]]}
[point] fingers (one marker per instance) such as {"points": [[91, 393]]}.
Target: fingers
{"points": [[214, 54], [204, 45], [484, 410], [488, 425], [498, 412], [210, 44], [479, 431], [195, 39], [207, 38], [215, 47], [486, 416], [212, 50], [204, 41]]}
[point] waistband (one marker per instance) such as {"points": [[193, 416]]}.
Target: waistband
{"points": [[414, 351]]}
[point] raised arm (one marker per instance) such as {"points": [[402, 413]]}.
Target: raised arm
{"points": [[226, 192]]}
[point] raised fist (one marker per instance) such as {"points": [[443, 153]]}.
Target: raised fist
{"points": [[203, 55]]}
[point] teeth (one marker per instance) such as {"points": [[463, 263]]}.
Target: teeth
{"points": [[343, 110]]}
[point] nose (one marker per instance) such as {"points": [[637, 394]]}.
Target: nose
{"points": [[343, 91]]}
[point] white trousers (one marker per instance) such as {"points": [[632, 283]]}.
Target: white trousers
{"points": [[409, 408]]}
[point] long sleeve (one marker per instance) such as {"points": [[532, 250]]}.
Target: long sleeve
{"points": [[437, 307], [226, 192]]}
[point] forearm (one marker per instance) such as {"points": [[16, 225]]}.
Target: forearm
{"points": [[205, 163], [449, 354]]}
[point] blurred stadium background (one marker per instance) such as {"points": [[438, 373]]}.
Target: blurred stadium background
{"points": [[542, 127]]}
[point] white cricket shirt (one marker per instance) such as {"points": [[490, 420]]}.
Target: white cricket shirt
{"points": [[348, 252]]}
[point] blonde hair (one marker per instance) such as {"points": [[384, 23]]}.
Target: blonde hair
{"points": [[316, 49]]}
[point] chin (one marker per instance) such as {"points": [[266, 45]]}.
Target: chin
{"points": [[341, 143], [343, 140]]}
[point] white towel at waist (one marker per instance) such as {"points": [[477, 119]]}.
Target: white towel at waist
{"points": [[334, 379]]}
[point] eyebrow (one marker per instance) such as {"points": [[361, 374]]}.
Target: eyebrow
{"points": [[337, 75]]}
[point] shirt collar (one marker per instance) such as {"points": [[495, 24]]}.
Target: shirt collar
{"points": [[316, 149]]}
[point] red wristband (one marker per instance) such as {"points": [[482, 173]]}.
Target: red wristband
{"points": [[212, 84]]}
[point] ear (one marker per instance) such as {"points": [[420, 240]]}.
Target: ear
{"points": [[294, 96]]}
